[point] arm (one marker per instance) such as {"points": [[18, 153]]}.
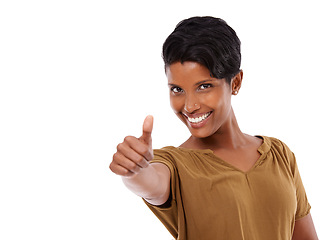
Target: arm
{"points": [[131, 161], [304, 229], [153, 183]]}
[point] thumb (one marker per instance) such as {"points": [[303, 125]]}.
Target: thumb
{"points": [[147, 130]]}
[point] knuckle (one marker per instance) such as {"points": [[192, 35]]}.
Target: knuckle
{"points": [[144, 150], [135, 168], [128, 139], [120, 147], [125, 172], [128, 174], [115, 157], [132, 166], [111, 167], [121, 172], [139, 159]]}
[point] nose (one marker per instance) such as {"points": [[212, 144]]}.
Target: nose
{"points": [[191, 104]]}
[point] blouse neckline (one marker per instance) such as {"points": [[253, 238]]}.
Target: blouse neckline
{"points": [[263, 149]]}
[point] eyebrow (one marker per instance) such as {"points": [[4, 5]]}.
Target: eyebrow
{"points": [[203, 81], [198, 83]]}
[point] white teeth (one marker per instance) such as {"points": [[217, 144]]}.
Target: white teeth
{"points": [[199, 119]]}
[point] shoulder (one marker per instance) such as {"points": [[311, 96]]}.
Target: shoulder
{"points": [[179, 155], [278, 145], [280, 150], [166, 155], [171, 152], [166, 152]]}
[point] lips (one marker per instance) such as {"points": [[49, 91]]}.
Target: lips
{"points": [[197, 120]]}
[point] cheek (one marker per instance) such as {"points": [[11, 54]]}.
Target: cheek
{"points": [[176, 104], [223, 107], [212, 100], [220, 102]]}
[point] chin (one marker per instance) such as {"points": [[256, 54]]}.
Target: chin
{"points": [[200, 133]]}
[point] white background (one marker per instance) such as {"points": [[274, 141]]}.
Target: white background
{"points": [[78, 76]]}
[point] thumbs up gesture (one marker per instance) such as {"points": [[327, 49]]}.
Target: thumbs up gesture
{"points": [[134, 154]]}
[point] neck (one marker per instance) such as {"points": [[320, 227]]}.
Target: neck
{"points": [[229, 136]]}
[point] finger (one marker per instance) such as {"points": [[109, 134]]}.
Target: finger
{"points": [[121, 160], [131, 154], [119, 170], [140, 147], [147, 130]]}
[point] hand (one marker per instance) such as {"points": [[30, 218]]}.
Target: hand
{"points": [[134, 154]]}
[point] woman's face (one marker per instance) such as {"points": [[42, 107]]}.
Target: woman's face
{"points": [[202, 102]]}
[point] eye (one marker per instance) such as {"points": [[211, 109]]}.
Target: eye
{"points": [[176, 90], [205, 86]]}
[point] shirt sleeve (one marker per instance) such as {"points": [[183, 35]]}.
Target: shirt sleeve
{"points": [[303, 206]]}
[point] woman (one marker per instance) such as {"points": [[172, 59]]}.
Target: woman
{"points": [[220, 183]]}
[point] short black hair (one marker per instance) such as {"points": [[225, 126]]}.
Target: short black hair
{"points": [[208, 41]]}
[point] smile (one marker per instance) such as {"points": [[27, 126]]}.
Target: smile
{"points": [[198, 119]]}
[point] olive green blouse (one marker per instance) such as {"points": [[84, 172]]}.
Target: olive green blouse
{"points": [[211, 199]]}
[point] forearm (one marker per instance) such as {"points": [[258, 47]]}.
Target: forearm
{"points": [[148, 184]]}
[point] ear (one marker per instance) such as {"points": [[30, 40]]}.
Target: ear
{"points": [[236, 82]]}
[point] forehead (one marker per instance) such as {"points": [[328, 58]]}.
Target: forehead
{"points": [[191, 71]]}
